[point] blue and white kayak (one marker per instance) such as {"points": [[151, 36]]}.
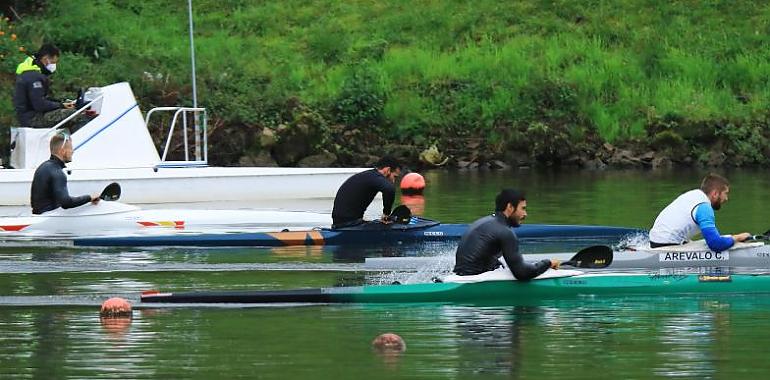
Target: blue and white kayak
{"points": [[373, 233]]}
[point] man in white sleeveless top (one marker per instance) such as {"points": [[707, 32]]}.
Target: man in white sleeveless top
{"points": [[692, 213]]}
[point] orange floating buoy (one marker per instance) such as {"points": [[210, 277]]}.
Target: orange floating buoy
{"points": [[412, 184], [115, 307], [389, 342]]}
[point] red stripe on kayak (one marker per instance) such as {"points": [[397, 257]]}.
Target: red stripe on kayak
{"points": [[176, 224], [14, 228]]}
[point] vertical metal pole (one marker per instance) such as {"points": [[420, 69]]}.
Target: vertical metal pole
{"points": [[194, 85]]}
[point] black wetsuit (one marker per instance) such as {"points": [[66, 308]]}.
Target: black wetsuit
{"points": [[485, 241], [49, 188], [355, 195]]}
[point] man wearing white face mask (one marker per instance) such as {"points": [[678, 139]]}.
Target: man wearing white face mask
{"points": [[34, 107]]}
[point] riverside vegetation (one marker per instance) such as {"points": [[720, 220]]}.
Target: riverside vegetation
{"points": [[488, 83]]}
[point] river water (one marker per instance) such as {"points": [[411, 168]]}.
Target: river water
{"points": [[50, 327]]}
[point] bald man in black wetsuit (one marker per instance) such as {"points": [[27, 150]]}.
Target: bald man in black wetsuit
{"points": [[491, 237], [49, 184], [358, 191]]}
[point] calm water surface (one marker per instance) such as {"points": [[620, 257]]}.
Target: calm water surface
{"points": [[50, 328]]}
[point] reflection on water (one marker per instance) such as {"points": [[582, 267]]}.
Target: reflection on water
{"points": [[61, 343], [635, 337], [629, 338]]}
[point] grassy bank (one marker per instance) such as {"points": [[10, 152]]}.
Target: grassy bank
{"points": [[684, 74]]}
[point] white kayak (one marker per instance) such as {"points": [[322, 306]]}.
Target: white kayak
{"points": [[503, 274], [111, 218], [693, 254]]}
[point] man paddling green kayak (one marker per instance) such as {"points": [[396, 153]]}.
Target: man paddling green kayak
{"points": [[692, 213], [491, 237]]}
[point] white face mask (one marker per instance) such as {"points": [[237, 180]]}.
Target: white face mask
{"points": [[51, 67]]}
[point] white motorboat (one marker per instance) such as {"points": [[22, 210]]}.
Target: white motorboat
{"points": [[115, 218], [116, 146]]}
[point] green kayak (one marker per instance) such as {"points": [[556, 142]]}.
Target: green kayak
{"points": [[495, 288]]}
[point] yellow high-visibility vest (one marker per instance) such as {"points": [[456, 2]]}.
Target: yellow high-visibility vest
{"points": [[27, 65]]}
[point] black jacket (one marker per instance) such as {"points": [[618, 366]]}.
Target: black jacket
{"points": [[31, 95], [355, 195], [485, 241], [49, 188]]}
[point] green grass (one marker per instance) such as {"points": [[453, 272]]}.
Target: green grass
{"points": [[432, 69]]}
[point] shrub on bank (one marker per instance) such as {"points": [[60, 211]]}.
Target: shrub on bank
{"points": [[529, 76]]}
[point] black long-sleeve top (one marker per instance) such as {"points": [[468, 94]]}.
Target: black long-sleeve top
{"points": [[49, 188], [358, 191], [31, 96], [485, 241]]}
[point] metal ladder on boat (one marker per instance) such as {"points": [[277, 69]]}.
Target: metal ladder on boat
{"points": [[200, 152]]}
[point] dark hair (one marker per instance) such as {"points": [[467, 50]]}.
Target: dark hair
{"points": [[48, 49], [714, 182], [508, 196], [388, 162]]}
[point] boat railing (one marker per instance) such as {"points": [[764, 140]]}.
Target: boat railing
{"points": [[198, 115], [75, 114]]}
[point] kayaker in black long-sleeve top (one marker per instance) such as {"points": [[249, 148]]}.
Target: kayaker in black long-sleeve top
{"points": [[491, 237], [49, 185], [358, 191]]}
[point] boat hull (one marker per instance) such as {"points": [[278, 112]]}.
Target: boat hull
{"points": [[696, 254], [377, 235], [495, 292], [109, 218], [149, 185]]}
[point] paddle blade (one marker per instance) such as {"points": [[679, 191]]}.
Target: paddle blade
{"points": [[764, 236], [401, 215], [597, 256], [111, 192]]}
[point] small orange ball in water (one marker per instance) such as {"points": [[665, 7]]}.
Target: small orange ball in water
{"points": [[115, 307]]}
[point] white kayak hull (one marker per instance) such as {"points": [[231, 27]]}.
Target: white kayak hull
{"points": [[694, 254], [115, 218], [503, 274]]}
